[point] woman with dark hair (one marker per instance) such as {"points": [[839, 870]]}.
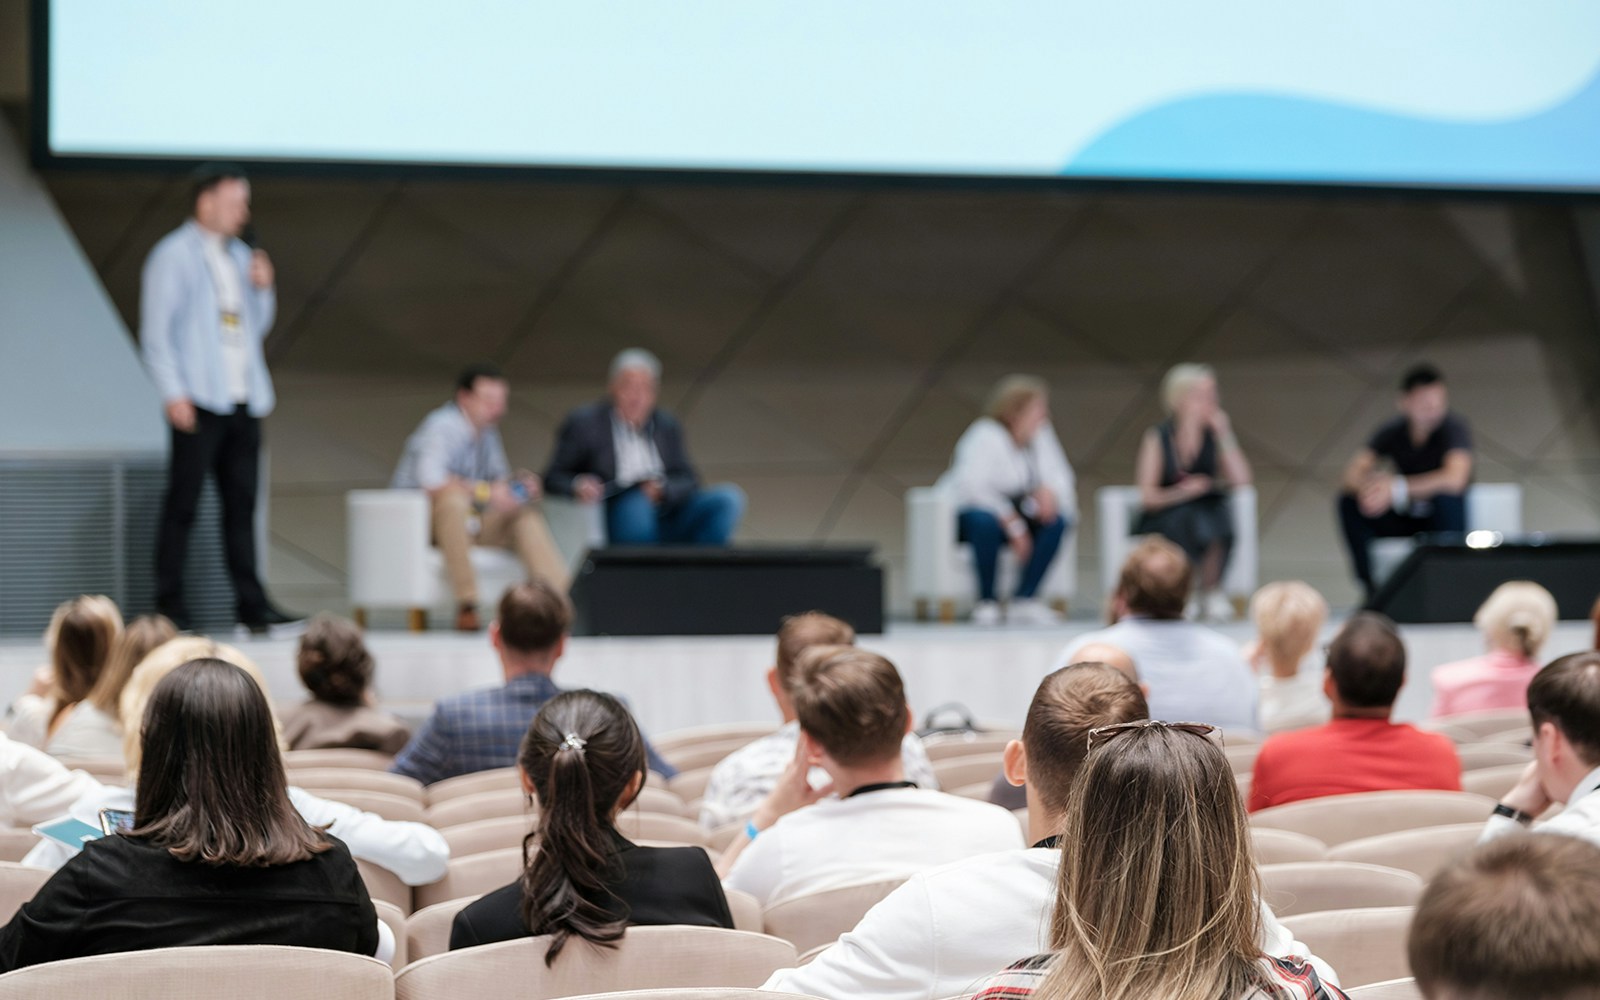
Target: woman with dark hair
{"points": [[584, 759], [1157, 893], [336, 667], [216, 853]]}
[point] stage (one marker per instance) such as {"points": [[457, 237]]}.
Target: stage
{"points": [[673, 683]]}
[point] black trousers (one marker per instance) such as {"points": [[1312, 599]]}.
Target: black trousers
{"points": [[1449, 516], [227, 446]]}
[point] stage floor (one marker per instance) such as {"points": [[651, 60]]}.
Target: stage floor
{"points": [[675, 682]]}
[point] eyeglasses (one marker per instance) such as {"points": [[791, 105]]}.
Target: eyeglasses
{"points": [[1100, 735]]}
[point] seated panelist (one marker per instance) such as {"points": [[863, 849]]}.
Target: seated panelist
{"points": [[626, 453]]}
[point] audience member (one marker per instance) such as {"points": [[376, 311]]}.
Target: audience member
{"points": [[414, 852], [1513, 919], [138, 638], [456, 456], [1193, 672], [869, 823], [1157, 893], [62, 721], [630, 455], [1360, 749], [1411, 476], [1515, 621], [216, 853], [948, 928], [1185, 469], [1564, 700], [1013, 486], [35, 787], [1288, 616], [481, 730], [741, 780], [584, 759], [336, 667]]}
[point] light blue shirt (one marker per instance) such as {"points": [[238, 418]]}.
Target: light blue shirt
{"points": [[180, 324], [446, 444], [1194, 673]]}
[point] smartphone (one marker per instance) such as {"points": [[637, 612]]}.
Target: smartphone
{"points": [[72, 832], [519, 490], [115, 820]]}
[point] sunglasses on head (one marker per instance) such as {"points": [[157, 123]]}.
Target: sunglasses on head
{"points": [[1100, 735]]}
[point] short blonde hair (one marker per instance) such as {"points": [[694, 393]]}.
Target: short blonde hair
{"points": [[1288, 614], [1179, 380], [1518, 616], [1011, 394], [160, 662]]}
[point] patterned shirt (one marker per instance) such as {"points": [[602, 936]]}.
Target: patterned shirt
{"points": [[1277, 979], [446, 444], [747, 776], [481, 730]]}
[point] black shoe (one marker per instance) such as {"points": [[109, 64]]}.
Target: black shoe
{"points": [[272, 620]]}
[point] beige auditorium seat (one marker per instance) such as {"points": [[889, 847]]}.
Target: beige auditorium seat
{"points": [[691, 785], [731, 732], [106, 770], [480, 805], [18, 883], [472, 875], [818, 918], [397, 808], [428, 929], [1494, 782], [693, 756], [703, 993], [1521, 736], [395, 919], [1477, 756], [947, 745], [384, 884], [370, 760], [636, 826], [1241, 738], [1363, 946], [722, 836], [493, 834], [1423, 851], [1476, 725], [16, 842], [317, 779], [745, 910], [1242, 781], [1335, 819], [238, 972], [660, 800], [1242, 758], [645, 958], [495, 780], [979, 790], [1394, 989], [1314, 886], [1277, 847], [958, 772]]}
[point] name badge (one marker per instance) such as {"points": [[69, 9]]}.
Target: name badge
{"points": [[230, 321]]}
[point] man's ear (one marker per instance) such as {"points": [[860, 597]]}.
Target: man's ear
{"points": [[1330, 690], [559, 649], [774, 684], [494, 636], [911, 720], [812, 749], [1014, 763], [1144, 689]]}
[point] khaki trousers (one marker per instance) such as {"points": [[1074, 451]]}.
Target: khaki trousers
{"points": [[522, 530]]}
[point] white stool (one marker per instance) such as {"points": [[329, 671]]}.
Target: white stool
{"points": [[1118, 507], [1490, 507]]}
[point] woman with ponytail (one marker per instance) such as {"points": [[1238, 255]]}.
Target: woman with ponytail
{"points": [[584, 760], [1515, 622]]}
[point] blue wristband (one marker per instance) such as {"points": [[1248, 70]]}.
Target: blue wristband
{"points": [[750, 829]]}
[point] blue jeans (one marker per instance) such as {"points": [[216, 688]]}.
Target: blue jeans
{"points": [[707, 517], [984, 532]]}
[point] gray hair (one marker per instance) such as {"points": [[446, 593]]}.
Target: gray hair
{"points": [[636, 359]]}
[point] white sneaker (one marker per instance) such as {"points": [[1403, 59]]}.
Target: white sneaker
{"points": [[1031, 612], [986, 614], [1218, 607]]}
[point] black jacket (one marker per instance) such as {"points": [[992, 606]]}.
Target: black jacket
{"points": [[122, 894], [584, 446], [658, 885]]}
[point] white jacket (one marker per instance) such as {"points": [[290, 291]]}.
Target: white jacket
{"points": [[949, 929], [988, 469], [35, 787]]}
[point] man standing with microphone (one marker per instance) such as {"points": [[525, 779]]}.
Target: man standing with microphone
{"points": [[206, 304]]}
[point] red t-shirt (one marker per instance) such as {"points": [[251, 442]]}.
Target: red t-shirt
{"points": [[1352, 755]]}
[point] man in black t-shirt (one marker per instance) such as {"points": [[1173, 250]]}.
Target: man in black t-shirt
{"points": [[1411, 477]]}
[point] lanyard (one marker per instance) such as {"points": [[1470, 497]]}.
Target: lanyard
{"points": [[882, 786]]}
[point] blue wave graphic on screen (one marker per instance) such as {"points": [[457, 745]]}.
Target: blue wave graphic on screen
{"points": [[1267, 138]]}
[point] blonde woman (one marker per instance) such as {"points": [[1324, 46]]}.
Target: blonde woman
{"points": [[1185, 468], [141, 635], [1288, 617], [1157, 893], [1014, 488], [59, 720], [1515, 622]]}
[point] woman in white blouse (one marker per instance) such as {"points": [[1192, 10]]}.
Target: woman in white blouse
{"points": [[1013, 487], [59, 717]]}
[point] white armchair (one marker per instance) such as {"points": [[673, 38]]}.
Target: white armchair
{"points": [[393, 564], [1118, 507], [1490, 507], [939, 568]]}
